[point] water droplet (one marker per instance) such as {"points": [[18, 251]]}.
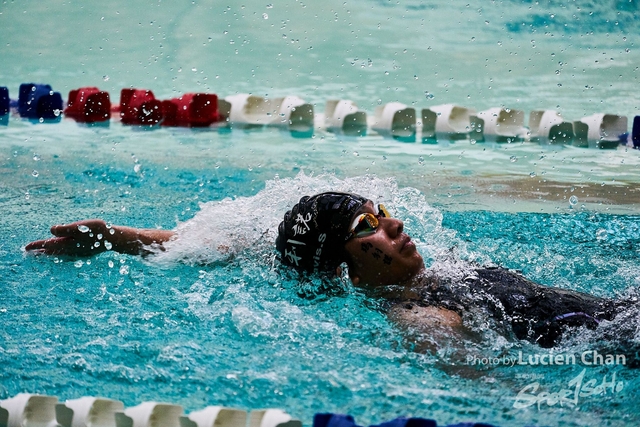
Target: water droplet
{"points": [[35, 174], [601, 234], [573, 200], [112, 231], [265, 16], [110, 263], [108, 246], [36, 157], [532, 174], [99, 236], [269, 6], [513, 159], [105, 78], [136, 168], [78, 263], [96, 245], [124, 269], [83, 228]]}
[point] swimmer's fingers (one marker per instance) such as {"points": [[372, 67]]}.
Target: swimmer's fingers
{"points": [[53, 246]]}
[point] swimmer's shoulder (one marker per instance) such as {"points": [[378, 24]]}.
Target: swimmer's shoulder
{"points": [[421, 318]]}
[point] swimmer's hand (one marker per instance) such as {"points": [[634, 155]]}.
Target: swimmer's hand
{"points": [[93, 236]]}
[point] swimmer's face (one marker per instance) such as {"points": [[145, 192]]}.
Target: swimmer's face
{"points": [[384, 257]]}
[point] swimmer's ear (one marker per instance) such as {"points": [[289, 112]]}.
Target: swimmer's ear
{"points": [[355, 279]]}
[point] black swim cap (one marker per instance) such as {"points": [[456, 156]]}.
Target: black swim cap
{"points": [[313, 233]]}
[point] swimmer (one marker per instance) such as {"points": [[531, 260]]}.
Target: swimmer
{"points": [[322, 233]]}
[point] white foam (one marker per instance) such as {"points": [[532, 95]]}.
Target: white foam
{"points": [[223, 229]]}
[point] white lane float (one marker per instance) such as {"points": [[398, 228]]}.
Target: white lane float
{"points": [[548, 126], [343, 116], [150, 414], [396, 120], [215, 416], [291, 112], [600, 130], [503, 124], [454, 121], [88, 412], [29, 410], [272, 418]]}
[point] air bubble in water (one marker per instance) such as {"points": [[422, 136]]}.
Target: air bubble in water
{"points": [[83, 228], [124, 269], [96, 245], [265, 16], [601, 234], [78, 264], [112, 231], [573, 200], [35, 174], [108, 246], [513, 159], [110, 263]]}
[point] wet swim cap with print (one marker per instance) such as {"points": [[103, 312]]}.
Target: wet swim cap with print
{"points": [[313, 233]]}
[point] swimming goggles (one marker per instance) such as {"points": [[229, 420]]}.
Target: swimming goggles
{"points": [[367, 223]]}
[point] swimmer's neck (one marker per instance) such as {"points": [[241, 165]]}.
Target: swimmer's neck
{"points": [[409, 289]]}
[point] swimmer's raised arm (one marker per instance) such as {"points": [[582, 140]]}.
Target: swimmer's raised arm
{"points": [[93, 236]]}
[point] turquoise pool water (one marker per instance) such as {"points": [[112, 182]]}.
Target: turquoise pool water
{"points": [[197, 326]]}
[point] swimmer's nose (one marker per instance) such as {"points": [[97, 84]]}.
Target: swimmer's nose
{"points": [[392, 226]]}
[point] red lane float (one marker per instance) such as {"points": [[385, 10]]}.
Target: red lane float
{"points": [[191, 110], [139, 107], [88, 105]]}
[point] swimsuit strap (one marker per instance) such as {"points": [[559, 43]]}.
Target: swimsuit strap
{"points": [[575, 313]]}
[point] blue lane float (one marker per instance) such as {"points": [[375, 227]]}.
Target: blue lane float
{"points": [[340, 420], [39, 101], [4, 101], [635, 133]]}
